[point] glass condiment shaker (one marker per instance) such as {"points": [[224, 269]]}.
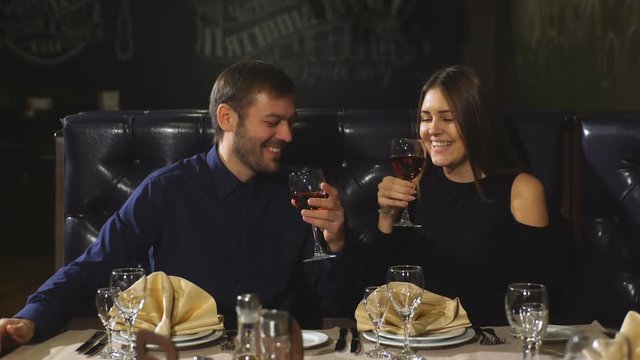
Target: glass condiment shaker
{"points": [[248, 311], [276, 342]]}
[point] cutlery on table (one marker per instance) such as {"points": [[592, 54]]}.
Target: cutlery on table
{"points": [[97, 347], [356, 346], [96, 337], [341, 344], [497, 340]]}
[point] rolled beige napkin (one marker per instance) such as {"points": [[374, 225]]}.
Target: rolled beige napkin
{"points": [[174, 306], [631, 327], [435, 314]]}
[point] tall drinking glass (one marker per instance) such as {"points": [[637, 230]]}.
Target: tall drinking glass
{"points": [[405, 287], [104, 304], [305, 184], [527, 309], [129, 299], [407, 161], [376, 303]]}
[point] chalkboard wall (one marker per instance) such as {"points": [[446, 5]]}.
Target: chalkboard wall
{"points": [[167, 53]]}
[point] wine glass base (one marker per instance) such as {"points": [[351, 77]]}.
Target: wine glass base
{"points": [[408, 357], [378, 353], [111, 354], [407, 224], [319, 257]]}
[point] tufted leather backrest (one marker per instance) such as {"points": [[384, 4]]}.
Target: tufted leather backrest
{"points": [[107, 154], [609, 174]]}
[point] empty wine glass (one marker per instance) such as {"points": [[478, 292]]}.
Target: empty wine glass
{"points": [[129, 298], [104, 304], [376, 303], [305, 184], [404, 288], [597, 344], [527, 309], [407, 160]]}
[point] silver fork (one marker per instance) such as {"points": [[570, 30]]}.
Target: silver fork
{"points": [[496, 340]]}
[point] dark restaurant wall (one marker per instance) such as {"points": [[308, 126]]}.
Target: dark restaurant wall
{"points": [[563, 55], [166, 54]]}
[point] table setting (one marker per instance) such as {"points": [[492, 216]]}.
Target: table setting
{"points": [[396, 320]]}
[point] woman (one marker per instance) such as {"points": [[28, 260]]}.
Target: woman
{"points": [[483, 218]]}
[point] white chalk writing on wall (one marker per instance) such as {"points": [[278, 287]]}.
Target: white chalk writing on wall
{"points": [[50, 32], [335, 40], [578, 41]]}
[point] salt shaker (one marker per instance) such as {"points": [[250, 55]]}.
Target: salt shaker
{"points": [[276, 342], [248, 311]]}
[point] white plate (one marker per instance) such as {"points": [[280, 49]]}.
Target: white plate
{"points": [[468, 334], [555, 333], [117, 336], [175, 338], [313, 338], [426, 337]]}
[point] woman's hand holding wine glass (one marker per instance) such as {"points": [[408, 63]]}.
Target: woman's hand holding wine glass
{"points": [[407, 161], [128, 298]]}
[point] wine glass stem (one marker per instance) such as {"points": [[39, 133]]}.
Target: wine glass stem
{"points": [[405, 219], [529, 350], [129, 319], [407, 349], [377, 325], [109, 347], [317, 248]]}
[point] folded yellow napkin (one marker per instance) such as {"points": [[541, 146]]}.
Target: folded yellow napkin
{"points": [[174, 306], [435, 314], [631, 328]]}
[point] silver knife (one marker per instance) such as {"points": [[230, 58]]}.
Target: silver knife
{"points": [[92, 340], [355, 341], [341, 344], [97, 347]]}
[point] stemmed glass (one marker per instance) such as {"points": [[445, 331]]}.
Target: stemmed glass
{"points": [[597, 344], [527, 309], [405, 287], [305, 184], [407, 160], [104, 304], [376, 303], [128, 298]]}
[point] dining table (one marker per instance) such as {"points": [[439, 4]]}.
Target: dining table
{"points": [[64, 344]]}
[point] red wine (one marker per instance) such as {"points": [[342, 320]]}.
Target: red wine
{"points": [[301, 198], [407, 167]]}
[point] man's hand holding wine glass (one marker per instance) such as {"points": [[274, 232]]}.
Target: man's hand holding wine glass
{"points": [[320, 207], [327, 214]]}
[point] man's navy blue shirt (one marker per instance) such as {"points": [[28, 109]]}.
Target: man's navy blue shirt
{"points": [[196, 220]]}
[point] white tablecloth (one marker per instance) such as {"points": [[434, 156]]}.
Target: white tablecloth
{"points": [[62, 347]]}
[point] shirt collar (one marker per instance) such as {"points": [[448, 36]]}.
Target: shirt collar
{"points": [[225, 182]]}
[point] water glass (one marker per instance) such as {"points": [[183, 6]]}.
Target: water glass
{"points": [[404, 288], [130, 285], [527, 309], [104, 305], [597, 344], [376, 303]]}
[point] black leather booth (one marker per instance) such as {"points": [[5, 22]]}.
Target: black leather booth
{"points": [[107, 154], [609, 175]]}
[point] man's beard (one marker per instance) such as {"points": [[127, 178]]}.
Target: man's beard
{"points": [[250, 152]]}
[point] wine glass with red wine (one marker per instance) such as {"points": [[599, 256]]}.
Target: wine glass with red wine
{"points": [[407, 160], [305, 184]]}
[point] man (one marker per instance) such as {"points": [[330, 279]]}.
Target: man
{"points": [[222, 220]]}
